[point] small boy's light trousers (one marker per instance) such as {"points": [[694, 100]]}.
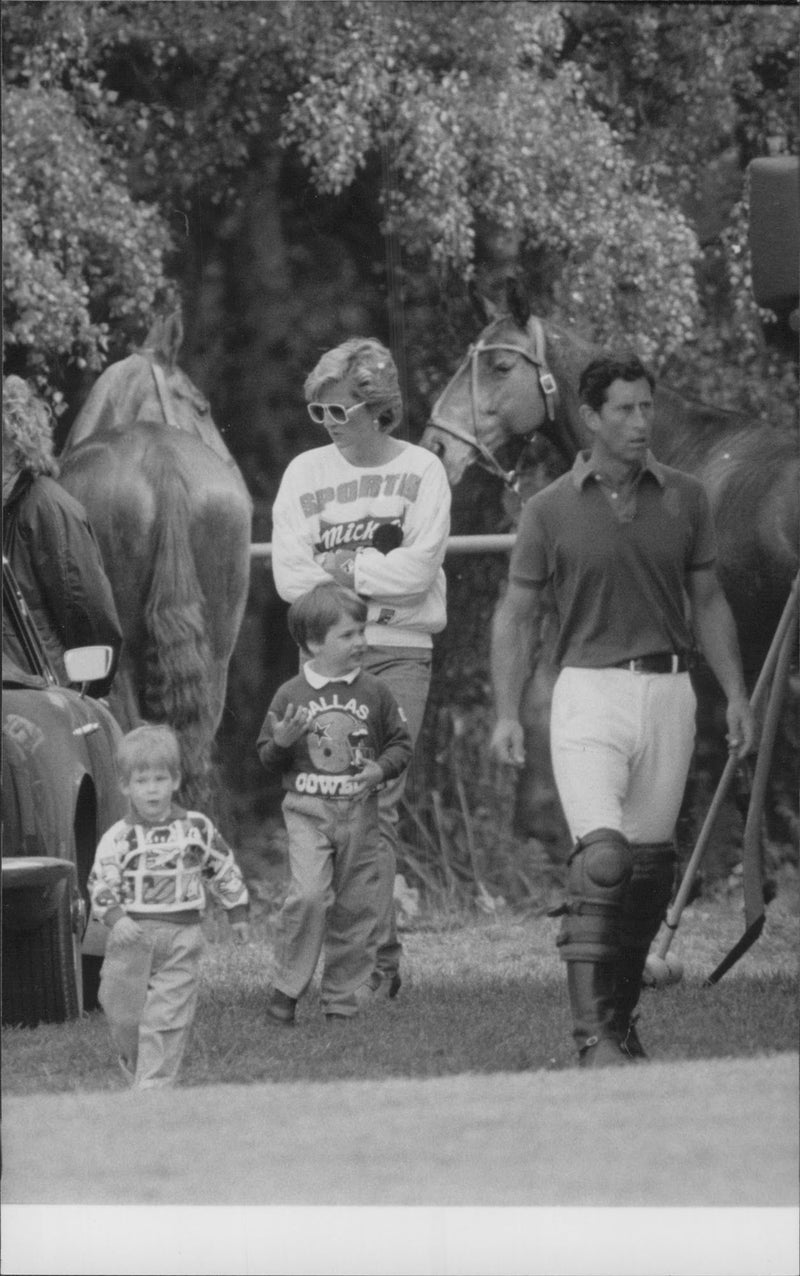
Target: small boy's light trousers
{"points": [[148, 990], [333, 898]]}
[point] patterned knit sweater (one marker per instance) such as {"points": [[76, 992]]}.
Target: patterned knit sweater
{"points": [[162, 871]]}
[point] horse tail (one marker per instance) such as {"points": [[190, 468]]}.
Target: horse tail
{"points": [[177, 654]]}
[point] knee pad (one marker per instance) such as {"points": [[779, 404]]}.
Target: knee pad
{"points": [[598, 877], [649, 893]]}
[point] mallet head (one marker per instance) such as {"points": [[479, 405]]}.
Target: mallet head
{"points": [[660, 972]]}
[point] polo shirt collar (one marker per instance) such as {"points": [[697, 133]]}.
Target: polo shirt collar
{"points": [[320, 680], [583, 469]]}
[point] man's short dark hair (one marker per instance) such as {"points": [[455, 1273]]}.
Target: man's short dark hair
{"points": [[313, 614], [601, 373]]}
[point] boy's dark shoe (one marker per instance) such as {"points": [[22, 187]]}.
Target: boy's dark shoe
{"points": [[281, 1008]]}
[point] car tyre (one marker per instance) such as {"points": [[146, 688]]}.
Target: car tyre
{"points": [[41, 980]]}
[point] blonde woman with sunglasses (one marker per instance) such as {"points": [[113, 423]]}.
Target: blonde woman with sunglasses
{"points": [[371, 512]]}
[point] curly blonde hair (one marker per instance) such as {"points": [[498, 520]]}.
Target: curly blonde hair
{"points": [[371, 374], [27, 428]]}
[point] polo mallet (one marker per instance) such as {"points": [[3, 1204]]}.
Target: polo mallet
{"points": [[752, 866], [776, 663]]}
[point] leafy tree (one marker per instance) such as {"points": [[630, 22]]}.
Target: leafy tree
{"points": [[487, 132], [579, 132], [694, 100], [484, 126], [83, 262], [680, 85]]}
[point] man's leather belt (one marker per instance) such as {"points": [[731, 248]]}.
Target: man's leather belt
{"points": [[658, 662]]}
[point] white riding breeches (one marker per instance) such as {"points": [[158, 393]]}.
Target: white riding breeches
{"points": [[621, 744]]}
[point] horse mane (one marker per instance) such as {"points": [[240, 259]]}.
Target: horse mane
{"points": [[164, 340], [148, 381]]}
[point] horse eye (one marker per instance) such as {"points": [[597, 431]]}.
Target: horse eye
{"points": [[437, 448]]}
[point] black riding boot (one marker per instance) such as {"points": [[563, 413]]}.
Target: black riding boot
{"points": [[629, 970], [591, 986]]}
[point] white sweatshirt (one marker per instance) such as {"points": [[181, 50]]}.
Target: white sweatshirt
{"points": [[324, 503]]}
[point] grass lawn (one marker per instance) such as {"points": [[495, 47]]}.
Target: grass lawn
{"points": [[455, 1102], [480, 995]]}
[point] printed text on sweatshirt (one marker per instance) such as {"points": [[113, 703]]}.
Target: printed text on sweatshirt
{"points": [[350, 723], [326, 504]]}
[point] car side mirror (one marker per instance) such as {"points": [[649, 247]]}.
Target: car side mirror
{"points": [[87, 664]]}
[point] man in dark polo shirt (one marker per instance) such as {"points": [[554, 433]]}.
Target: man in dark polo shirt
{"points": [[625, 544]]}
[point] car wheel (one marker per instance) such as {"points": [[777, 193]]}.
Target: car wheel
{"points": [[42, 970]]}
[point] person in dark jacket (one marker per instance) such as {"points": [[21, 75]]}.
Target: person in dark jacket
{"points": [[49, 542]]}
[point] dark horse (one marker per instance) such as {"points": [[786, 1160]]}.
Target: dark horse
{"points": [[173, 518], [521, 376]]}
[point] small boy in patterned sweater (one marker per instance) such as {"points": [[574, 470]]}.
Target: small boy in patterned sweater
{"points": [[335, 733], [148, 886]]}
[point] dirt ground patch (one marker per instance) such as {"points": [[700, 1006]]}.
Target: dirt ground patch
{"points": [[695, 1136]]}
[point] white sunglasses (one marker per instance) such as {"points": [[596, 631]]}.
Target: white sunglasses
{"points": [[335, 412]]}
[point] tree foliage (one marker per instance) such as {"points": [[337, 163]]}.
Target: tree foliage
{"points": [[574, 135], [680, 84], [83, 262], [695, 93], [493, 131]]}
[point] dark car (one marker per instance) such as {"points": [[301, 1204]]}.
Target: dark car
{"points": [[60, 793]]}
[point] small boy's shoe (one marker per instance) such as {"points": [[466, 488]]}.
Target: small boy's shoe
{"points": [[337, 1021], [281, 1007], [385, 984]]}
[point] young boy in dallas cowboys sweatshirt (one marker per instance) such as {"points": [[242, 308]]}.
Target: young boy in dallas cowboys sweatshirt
{"points": [[335, 733]]}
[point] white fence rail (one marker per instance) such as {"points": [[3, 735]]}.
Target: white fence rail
{"points": [[481, 544]]}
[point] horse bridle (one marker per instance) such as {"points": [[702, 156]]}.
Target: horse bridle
{"points": [[547, 384]]}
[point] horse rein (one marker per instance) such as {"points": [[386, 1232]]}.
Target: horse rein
{"points": [[547, 385]]}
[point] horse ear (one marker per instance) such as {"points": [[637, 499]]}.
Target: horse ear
{"points": [[480, 304], [518, 304]]}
